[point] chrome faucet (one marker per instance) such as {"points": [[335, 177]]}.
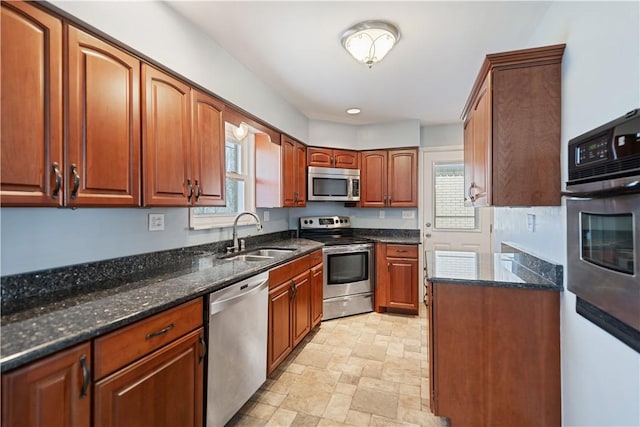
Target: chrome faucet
{"points": [[235, 247]]}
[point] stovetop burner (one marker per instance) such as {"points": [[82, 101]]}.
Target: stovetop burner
{"points": [[330, 230]]}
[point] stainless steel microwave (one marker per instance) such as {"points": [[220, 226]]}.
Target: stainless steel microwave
{"points": [[333, 184]]}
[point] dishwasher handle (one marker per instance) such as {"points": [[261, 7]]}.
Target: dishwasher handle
{"points": [[247, 288]]}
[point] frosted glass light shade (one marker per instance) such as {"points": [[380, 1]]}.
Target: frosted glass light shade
{"points": [[370, 41]]}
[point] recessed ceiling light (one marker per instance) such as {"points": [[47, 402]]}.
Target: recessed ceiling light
{"points": [[353, 111]]}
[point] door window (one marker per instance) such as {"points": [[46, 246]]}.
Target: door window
{"points": [[450, 211]]}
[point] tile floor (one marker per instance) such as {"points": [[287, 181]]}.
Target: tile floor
{"points": [[364, 370]]}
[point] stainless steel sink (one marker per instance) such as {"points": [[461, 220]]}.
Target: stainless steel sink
{"points": [[249, 258], [270, 252]]}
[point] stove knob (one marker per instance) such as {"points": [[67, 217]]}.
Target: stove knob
{"points": [[310, 221], [306, 222]]}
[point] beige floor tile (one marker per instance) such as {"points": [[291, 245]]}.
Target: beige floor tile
{"points": [[318, 358], [357, 418], [348, 389], [261, 411], [325, 422], [410, 402], [305, 420], [241, 420], [349, 379], [378, 384], [282, 418], [375, 402], [410, 390], [338, 407], [378, 421]]}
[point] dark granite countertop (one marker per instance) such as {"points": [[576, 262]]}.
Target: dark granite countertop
{"points": [[399, 237], [34, 332], [512, 268]]}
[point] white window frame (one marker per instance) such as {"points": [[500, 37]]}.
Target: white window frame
{"points": [[207, 221]]}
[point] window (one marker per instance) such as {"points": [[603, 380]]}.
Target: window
{"points": [[451, 213], [239, 185]]}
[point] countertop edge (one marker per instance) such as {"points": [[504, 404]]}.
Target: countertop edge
{"points": [[496, 284]]}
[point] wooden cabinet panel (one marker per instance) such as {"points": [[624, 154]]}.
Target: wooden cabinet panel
{"points": [[301, 307], [294, 160], [280, 342], [402, 182], [31, 106], [119, 348], [49, 392], [316, 295], [512, 121], [301, 174], [166, 130], [373, 179], [403, 280], [382, 278], [332, 158], [207, 151], [103, 144], [493, 345], [162, 389]]}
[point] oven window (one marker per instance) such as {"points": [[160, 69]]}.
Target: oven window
{"points": [[347, 268], [607, 241], [330, 187]]}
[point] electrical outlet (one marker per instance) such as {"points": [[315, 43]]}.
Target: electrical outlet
{"points": [[156, 222], [265, 216], [381, 214], [408, 215], [531, 223]]}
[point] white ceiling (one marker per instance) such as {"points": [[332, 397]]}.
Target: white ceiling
{"points": [[295, 48]]}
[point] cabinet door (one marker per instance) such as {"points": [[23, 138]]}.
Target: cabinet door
{"points": [[207, 153], [280, 340], [321, 157], [402, 184], [289, 172], [373, 178], [345, 159], [301, 307], [403, 283], [54, 391], [481, 190], [31, 106], [166, 130], [103, 151], [316, 295], [468, 160], [301, 175], [164, 388]]}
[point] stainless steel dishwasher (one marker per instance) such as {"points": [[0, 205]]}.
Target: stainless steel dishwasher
{"points": [[237, 346]]}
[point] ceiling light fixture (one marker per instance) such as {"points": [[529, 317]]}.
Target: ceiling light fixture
{"points": [[369, 41], [353, 111], [241, 131]]}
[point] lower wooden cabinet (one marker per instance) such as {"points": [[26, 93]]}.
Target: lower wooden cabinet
{"points": [[397, 278], [494, 355], [164, 388], [295, 306], [54, 391]]}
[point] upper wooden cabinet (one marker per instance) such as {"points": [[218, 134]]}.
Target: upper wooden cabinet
{"points": [[512, 130], [103, 143], [389, 178], [182, 142], [31, 108], [54, 391], [294, 177], [332, 158]]}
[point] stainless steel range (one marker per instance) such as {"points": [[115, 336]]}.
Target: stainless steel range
{"points": [[348, 279]]}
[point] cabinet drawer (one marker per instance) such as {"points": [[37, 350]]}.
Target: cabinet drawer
{"points": [[402, 251], [121, 347], [315, 258], [288, 270]]}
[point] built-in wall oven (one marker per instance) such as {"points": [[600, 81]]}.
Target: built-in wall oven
{"points": [[603, 226], [348, 266]]}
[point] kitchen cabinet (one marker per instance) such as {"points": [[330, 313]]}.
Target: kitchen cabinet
{"points": [[332, 158], [151, 372], [397, 278], [31, 107], [512, 130], [103, 143], [183, 143], [490, 345], [54, 391], [389, 178], [294, 176], [317, 278], [293, 293]]}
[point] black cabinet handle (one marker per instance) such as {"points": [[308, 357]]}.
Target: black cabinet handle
{"points": [[86, 376], [56, 170], [198, 190], [76, 181], [190, 194], [160, 332], [204, 349]]}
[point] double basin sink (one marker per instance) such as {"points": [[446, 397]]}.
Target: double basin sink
{"points": [[259, 254]]}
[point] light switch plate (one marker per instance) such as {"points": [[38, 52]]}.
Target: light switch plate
{"points": [[265, 216], [156, 222], [531, 223], [408, 215], [381, 214]]}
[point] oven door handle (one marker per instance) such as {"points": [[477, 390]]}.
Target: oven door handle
{"points": [[345, 249], [630, 188]]}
